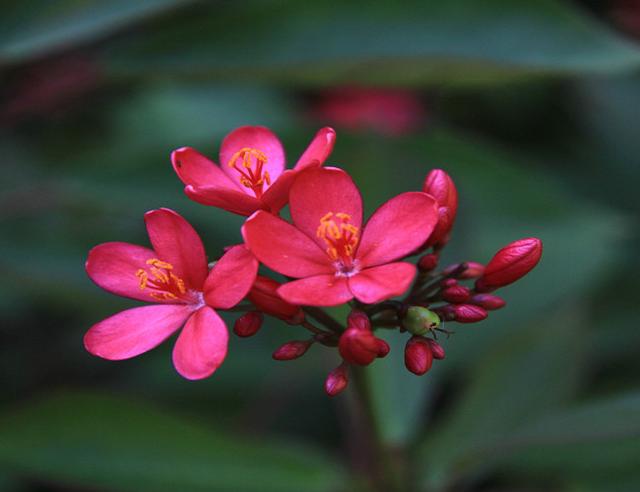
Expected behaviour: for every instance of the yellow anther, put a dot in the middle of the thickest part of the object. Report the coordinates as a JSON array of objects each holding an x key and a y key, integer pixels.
[
  {"x": 142, "y": 275},
  {"x": 163, "y": 284},
  {"x": 340, "y": 236}
]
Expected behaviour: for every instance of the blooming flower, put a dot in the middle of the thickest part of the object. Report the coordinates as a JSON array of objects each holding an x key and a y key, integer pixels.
[
  {"x": 328, "y": 250},
  {"x": 251, "y": 175},
  {"x": 386, "y": 111},
  {"x": 175, "y": 277}
]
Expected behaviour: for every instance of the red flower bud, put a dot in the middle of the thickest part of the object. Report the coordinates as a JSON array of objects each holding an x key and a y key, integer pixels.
[
  {"x": 456, "y": 294},
  {"x": 292, "y": 350},
  {"x": 359, "y": 320},
  {"x": 383, "y": 348},
  {"x": 440, "y": 186},
  {"x": 428, "y": 262},
  {"x": 488, "y": 301},
  {"x": 436, "y": 349},
  {"x": 417, "y": 355},
  {"x": 473, "y": 270},
  {"x": 468, "y": 313},
  {"x": 449, "y": 282},
  {"x": 248, "y": 324},
  {"x": 358, "y": 346},
  {"x": 337, "y": 380},
  {"x": 511, "y": 263},
  {"x": 263, "y": 294}
]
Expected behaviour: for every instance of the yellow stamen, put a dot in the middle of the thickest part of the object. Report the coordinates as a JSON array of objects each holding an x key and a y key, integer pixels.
[
  {"x": 340, "y": 236},
  {"x": 164, "y": 285}
]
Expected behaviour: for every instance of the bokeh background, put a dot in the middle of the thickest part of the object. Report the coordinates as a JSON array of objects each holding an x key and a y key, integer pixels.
[{"x": 532, "y": 106}]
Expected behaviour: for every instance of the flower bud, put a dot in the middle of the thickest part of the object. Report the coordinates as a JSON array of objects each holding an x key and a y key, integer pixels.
[
  {"x": 456, "y": 294},
  {"x": 468, "y": 313},
  {"x": 436, "y": 349},
  {"x": 419, "y": 320},
  {"x": 264, "y": 295},
  {"x": 337, "y": 380},
  {"x": 292, "y": 350},
  {"x": 446, "y": 313},
  {"x": 509, "y": 264},
  {"x": 428, "y": 262},
  {"x": 440, "y": 186},
  {"x": 417, "y": 355},
  {"x": 473, "y": 270},
  {"x": 358, "y": 346},
  {"x": 383, "y": 348},
  {"x": 248, "y": 324},
  {"x": 359, "y": 320},
  {"x": 449, "y": 282},
  {"x": 488, "y": 301}
]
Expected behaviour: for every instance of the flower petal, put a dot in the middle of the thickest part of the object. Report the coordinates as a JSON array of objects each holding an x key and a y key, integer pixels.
[
  {"x": 397, "y": 228},
  {"x": 283, "y": 248},
  {"x": 318, "y": 150},
  {"x": 231, "y": 278},
  {"x": 202, "y": 345},
  {"x": 135, "y": 331},
  {"x": 254, "y": 137},
  {"x": 320, "y": 290},
  {"x": 376, "y": 284},
  {"x": 277, "y": 195},
  {"x": 196, "y": 170},
  {"x": 318, "y": 191},
  {"x": 227, "y": 199},
  {"x": 176, "y": 241},
  {"x": 113, "y": 266}
]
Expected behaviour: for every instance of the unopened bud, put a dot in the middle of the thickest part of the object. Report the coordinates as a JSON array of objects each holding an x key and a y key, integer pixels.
[
  {"x": 264, "y": 295},
  {"x": 456, "y": 294},
  {"x": 473, "y": 270},
  {"x": 337, "y": 380},
  {"x": 468, "y": 313},
  {"x": 359, "y": 320},
  {"x": 446, "y": 313},
  {"x": 488, "y": 301},
  {"x": 428, "y": 262},
  {"x": 419, "y": 320},
  {"x": 248, "y": 324},
  {"x": 358, "y": 346},
  {"x": 292, "y": 350},
  {"x": 417, "y": 355},
  {"x": 449, "y": 282},
  {"x": 440, "y": 186},
  {"x": 509, "y": 264},
  {"x": 436, "y": 349},
  {"x": 383, "y": 348}
]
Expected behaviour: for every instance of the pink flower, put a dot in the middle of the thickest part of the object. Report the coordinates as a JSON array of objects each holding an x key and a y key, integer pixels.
[
  {"x": 251, "y": 175},
  {"x": 386, "y": 111},
  {"x": 334, "y": 257},
  {"x": 174, "y": 276}
]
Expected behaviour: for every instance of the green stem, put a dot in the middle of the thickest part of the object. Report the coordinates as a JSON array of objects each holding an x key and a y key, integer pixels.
[{"x": 324, "y": 318}]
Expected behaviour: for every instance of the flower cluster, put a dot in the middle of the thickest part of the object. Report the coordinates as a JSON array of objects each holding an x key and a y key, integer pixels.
[{"x": 327, "y": 255}]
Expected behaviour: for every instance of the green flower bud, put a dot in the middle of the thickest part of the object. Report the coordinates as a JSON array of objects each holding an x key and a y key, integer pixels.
[{"x": 419, "y": 320}]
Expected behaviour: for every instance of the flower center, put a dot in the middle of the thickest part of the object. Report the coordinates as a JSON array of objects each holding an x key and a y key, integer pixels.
[
  {"x": 341, "y": 238},
  {"x": 162, "y": 283},
  {"x": 249, "y": 163}
]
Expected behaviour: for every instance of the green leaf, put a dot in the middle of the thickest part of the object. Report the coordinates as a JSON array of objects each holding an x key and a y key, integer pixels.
[
  {"x": 459, "y": 41},
  {"x": 598, "y": 438},
  {"x": 114, "y": 444},
  {"x": 34, "y": 28},
  {"x": 527, "y": 374}
]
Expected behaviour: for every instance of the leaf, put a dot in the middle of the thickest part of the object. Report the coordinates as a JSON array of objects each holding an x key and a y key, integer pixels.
[
  {"x": 524, "y": 376},
  {"x": 321, "y": 43},
  {"x": 38, "y": 27},
  {"x": 597, "y": 438},
  {"x": 115, "y": 444}
]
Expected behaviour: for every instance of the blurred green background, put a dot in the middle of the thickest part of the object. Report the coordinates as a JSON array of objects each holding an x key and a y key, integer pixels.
[{"x": 533, "y": 108}]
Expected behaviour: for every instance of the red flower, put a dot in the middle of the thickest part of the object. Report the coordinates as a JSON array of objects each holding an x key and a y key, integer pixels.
[
  {"x": 252, "y": 172},
  {"x": 174, "y": 276},
  {"x": 335, "y": 258},
  {"x": 386, "y": 111}
]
